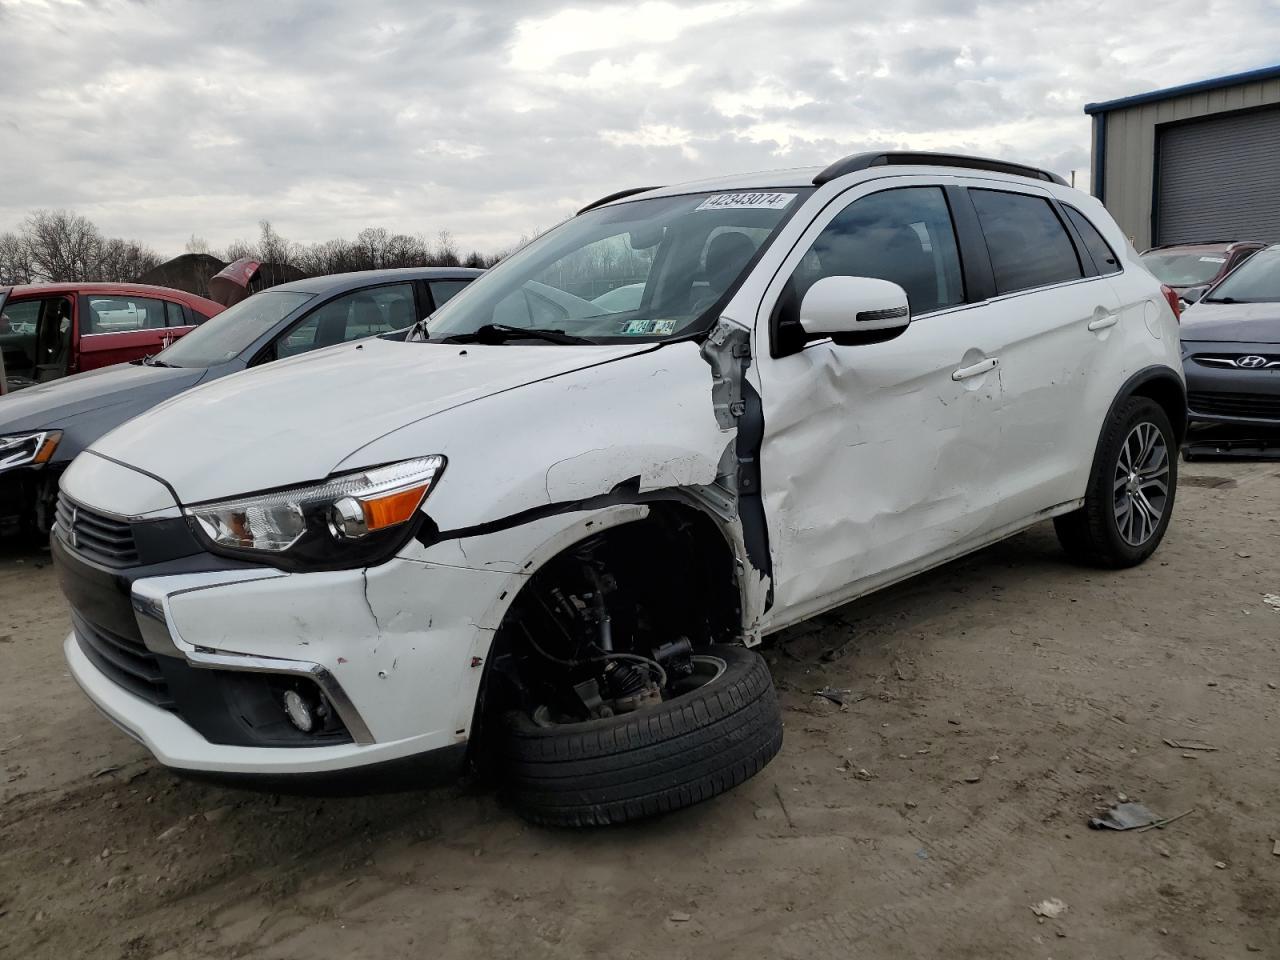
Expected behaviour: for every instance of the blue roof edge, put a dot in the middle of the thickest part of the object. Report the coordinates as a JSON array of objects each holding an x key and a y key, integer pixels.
[{"x": 1199, "y": 86}]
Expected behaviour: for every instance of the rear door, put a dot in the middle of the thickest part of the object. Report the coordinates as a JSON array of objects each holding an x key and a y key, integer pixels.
[
  {"x": 1056, "y": 321},
  {"x": 115, "y": 328}
]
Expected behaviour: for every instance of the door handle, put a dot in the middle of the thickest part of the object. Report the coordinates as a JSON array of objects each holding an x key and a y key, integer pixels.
[
  {"x": 976, "y": 369},
  {"x": 1104, "y": 321}
]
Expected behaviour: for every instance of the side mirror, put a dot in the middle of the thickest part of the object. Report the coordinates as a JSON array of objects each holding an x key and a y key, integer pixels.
[
  {"x": 854, "y": 310},
  {"x": 1193, "y": 294}
]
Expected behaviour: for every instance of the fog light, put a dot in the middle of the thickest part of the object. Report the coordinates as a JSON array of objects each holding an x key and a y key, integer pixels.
[{"x": 299, "y": 712}]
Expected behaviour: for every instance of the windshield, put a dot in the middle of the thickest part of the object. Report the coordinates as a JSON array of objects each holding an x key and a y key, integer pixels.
[
  {"x": 1183, "y": 269},
  {"x": 1257, "y": 280},
  {"x": 219, "y": 339},
  {"x": 644, "y": 270}
]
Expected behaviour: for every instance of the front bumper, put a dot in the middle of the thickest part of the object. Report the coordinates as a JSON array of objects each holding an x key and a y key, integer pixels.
[
  {"x": 183, "y": 655},
  {"x": 1218, "y": 393}
]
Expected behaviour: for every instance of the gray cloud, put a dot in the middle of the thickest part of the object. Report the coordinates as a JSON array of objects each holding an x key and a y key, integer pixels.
[{"x": 162, "y": 119}]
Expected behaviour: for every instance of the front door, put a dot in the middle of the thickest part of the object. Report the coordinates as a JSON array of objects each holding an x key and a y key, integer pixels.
[
  {"x": 115, "y": 328},
  {"x": 876, "y": 459}
]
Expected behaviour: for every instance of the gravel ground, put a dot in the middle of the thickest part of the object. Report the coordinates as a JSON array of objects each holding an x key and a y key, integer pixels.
[{"x": 992, "y": 707}]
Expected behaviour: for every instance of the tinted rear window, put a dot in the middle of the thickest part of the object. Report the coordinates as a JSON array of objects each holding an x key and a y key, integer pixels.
[
  {"x": 1028, "y": 244},
  {"x": 1104, "y": 258}
]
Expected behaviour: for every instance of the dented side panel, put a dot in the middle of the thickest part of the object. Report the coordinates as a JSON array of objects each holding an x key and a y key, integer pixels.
[{"x": 874, "y": 457}]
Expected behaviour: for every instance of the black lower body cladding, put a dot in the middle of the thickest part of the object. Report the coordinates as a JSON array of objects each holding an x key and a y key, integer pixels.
[{"x": 655, "y": 760}]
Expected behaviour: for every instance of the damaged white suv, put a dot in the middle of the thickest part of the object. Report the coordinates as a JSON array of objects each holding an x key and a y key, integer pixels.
[{"x": 548, "y": 532}]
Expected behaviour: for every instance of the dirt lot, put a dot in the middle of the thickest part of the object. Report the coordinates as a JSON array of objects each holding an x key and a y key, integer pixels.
[{"x": 994, "y": 705}]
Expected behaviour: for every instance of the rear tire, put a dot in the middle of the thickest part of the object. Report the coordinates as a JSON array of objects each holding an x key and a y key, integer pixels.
[
  {"x": 652, "y": 761},
  {"x": 1131, "y": 490}
]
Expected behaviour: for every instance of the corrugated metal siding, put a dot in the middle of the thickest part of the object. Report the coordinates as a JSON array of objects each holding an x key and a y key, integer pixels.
[
  {"x": 1220, "y": 178},
  {"x": 1131, "y": 147}
]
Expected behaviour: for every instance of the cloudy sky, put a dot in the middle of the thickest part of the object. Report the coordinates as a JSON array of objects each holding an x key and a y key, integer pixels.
[{"x": 494, "y": 118}]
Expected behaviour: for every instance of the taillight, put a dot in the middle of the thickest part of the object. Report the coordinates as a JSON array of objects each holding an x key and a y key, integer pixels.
[{"x": 1175, "y": 302}]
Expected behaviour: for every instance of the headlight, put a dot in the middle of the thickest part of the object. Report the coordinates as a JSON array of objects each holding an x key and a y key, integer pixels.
[
  {"x": 22, "y": 449},
  {"x": 350, "y": 520}
]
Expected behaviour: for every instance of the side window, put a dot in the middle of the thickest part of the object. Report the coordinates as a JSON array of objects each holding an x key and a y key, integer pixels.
[
  {"x": 175, "y": 316},
  {"x": 1104, "y": 258},
  {"x": 1028, "y": 244},
  {"x": 352, "y": 316},
  {"x": 123, "y": 314},
  {"x": 443, "y": 291},
  {"x": 904, "y": 235}
]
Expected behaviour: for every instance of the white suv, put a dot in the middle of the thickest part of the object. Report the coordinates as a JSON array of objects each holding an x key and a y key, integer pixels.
[{"x": 546, "y": 533}]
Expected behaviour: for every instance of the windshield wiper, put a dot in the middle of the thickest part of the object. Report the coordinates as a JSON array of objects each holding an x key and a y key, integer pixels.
[
  {"x": 1221, "y": 300},
  {"x": 151, "y": 361},
  {"x": 495, "y": 333}
]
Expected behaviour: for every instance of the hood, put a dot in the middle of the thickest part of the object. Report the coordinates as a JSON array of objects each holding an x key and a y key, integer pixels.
[
  {"x": 293, "y": 421},
  {"x": 52, "y": 404},
  {"x": 1232, "y": 322}
]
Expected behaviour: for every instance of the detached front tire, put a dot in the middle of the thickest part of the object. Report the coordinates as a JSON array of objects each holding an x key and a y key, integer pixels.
[
  {"x": 654, "y": 760},
  {"x": 1131, "y": 490}
]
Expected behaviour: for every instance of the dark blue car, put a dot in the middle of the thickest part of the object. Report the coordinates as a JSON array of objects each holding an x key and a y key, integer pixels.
[{"x": 42, "y": 428}]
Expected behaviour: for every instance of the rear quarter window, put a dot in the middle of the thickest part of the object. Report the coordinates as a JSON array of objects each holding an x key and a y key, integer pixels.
[
  {"x": 1104, "y": 258},
  {"x": 1028, "y": 244}
]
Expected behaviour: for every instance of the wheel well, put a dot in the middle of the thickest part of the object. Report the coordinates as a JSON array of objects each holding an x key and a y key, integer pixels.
[
  {"x": 676, "y": 545},
  {"x": 667, "y": 577},
  {"x": 1168, "y": 392}
]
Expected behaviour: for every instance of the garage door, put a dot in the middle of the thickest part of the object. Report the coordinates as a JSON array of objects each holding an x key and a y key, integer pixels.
[{"x": 1220, "y": 179}]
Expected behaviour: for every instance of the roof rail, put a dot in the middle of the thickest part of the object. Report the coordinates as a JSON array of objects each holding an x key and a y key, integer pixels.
[
  {"x": 864, "y": 161},
  {"x": 615, "y": 196}
]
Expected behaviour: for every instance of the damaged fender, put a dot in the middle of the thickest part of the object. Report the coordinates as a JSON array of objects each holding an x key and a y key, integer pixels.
[{"x": 654, "y": 426}]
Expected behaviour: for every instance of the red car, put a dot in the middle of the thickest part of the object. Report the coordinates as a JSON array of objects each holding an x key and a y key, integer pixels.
[{"x": 51, "y": 331}]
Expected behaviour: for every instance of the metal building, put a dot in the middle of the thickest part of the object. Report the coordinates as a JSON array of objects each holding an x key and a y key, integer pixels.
[{"x": 1195, "y": 162}]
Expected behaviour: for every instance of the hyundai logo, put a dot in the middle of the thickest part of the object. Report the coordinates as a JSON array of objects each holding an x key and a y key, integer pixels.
[{"x": 1251, "y": 362}]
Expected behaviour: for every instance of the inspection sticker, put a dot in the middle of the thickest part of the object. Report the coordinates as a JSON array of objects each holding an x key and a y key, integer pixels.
[
  {"x": 1213, "y": 259},
  {"x": 746, "y": 201}
]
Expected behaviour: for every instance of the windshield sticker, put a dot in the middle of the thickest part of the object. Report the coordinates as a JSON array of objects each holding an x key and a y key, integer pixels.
[
  {"x": 638, "y": 328},
  {"x": 1213, "y": 259},
  {"x": 746, "y": 201},
  {"x": 662, "y": 328}
]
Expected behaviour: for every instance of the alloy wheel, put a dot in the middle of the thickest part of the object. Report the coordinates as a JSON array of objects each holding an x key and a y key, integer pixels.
[{"x": 1141, "y": 484}]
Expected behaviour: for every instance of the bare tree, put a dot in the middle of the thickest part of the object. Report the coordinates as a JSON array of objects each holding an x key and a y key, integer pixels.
[
  {"x": 123, "y": 260},
  {"x": 63, "y": 245},
  {"x": 197, "y": 245},
  {"x": 272, "y": 248},
  {"x": 15, "y": 259},
  {"x": 446, "y": 254},
  {"x": 242, "y": 248}
]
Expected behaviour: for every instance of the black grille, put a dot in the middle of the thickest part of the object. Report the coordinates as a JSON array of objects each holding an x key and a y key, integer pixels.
[
  {"x": 96, "y": 535},
  {"x": 1230, "y": 361},
  {"x": 124, "y": 660},
  {"x": 1235, "y": 405}
]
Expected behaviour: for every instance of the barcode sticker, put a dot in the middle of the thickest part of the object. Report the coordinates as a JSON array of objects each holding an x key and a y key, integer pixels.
[{"x": 746, "y": 201}]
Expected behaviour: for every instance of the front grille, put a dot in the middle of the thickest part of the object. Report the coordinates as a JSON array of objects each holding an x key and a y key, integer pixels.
[
  {"x": 1240, "y": 361},
  {"x": 125, "y": 661},
  {"x": 96, "y": 535},
  {"x": 1258, "y": 407}
]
